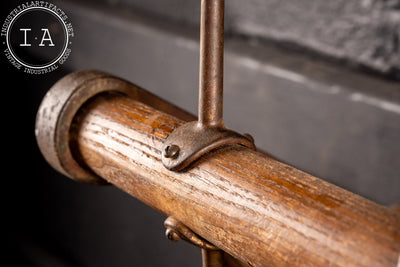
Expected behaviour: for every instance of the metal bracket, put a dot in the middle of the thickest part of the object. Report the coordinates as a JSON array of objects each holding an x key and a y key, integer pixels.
[
  {"x": 212, "y": 256},
  {"x": 178, "y": 231},
  {"x": 192, "y": 140}
]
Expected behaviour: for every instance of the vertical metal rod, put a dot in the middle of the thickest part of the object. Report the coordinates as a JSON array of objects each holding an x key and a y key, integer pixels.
[
  {"x": 211, "y": 63},
  {"x": 212, "y": 258}
]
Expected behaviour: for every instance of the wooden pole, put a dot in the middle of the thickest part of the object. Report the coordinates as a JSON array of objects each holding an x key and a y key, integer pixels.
[{"x": 255, "y": 208}]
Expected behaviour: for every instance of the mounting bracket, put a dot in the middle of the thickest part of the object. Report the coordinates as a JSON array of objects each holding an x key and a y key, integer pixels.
[{"x": 192, "y": 140}]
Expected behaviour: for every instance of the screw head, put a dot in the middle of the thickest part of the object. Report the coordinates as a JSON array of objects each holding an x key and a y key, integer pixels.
[
  {"x": 172, "y": 235},
  {"x": 171, "y": 151}
]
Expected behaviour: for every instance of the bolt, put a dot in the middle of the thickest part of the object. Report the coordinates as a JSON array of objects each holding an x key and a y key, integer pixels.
[
  {"x": 171, "y": 151},
  {"x": 172, "y": 235}
]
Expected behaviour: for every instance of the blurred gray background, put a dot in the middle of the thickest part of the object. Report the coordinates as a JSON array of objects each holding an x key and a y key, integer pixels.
[{"x": 317, "y": 83}]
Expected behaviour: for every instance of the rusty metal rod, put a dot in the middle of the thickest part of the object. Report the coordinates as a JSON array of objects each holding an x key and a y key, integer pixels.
[
  {"x": 194, "y": 139},
  {"x": 211, "y": 63},
  {"x": 212, "y": 258},
  {"x": 261, "y": 211}
]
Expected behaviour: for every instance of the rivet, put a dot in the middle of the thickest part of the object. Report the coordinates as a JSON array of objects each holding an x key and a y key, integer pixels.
[
  {"x": 171, "y": 151},
  {"x": 172, "y": 235}
]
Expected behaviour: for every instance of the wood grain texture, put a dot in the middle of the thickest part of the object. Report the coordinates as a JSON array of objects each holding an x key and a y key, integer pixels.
[{"x": 257, "y": 209}]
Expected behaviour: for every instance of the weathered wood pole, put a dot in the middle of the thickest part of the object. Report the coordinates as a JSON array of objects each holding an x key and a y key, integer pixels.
[{"x": 257, "y": 209}]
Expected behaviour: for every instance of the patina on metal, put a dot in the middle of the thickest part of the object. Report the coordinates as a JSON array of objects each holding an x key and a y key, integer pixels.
[
  {"x": 59, "y": 106},
  {"x": 196, "y": 138},
  {"x": 55, "y": 115},
  {"x": 211, "y": 255}
]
